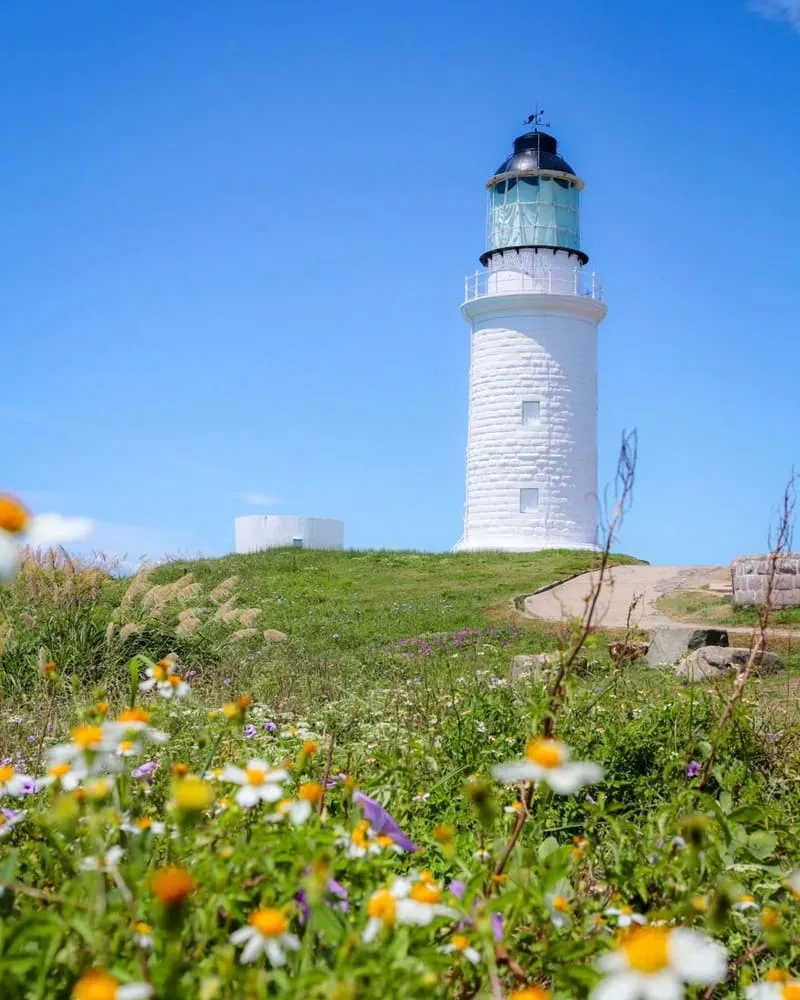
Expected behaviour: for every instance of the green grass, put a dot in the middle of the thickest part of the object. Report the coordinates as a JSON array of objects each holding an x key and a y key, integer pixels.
[{"x": 704, "y": 608}]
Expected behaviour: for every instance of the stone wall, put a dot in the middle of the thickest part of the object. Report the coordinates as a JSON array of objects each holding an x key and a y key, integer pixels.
[{"x": 751, "y": 573}]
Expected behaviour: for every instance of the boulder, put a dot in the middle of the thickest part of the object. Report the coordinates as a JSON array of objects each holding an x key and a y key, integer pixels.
[
  {"x": 669, "y": 644},
  {"x": 274, "y": 635},
  {"x": 534, "y": 666},
  {"x": 622, "y": 653},
  {"x": 712, "y": 662}
]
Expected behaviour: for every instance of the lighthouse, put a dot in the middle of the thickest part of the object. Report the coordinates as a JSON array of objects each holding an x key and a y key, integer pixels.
[{"x": 533, "y": 312}]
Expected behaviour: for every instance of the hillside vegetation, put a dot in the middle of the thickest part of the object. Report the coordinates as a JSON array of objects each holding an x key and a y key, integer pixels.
[{"x": 288, "y": 774}]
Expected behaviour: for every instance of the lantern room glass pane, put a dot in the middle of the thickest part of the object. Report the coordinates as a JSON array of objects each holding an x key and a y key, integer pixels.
[{"x": 534, "y": 211}]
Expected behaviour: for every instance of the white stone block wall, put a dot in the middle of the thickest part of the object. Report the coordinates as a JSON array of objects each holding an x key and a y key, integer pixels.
[
  {"x": 750, "y": 578},
  {"x": 529, "y": 348},
  {"x": 256, "y": 532}
]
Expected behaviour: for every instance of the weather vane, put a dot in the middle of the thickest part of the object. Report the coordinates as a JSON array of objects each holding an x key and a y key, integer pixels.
[{"x": 536, "y": 118}]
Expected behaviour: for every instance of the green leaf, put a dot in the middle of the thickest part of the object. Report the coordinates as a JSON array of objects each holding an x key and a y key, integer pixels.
[
  {"x": 747, "y": 814},
  {"x": 547, "y": 847},
  {"x": 761, "y": 844}
]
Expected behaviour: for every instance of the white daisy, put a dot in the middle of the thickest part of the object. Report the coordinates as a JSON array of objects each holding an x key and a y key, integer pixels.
[
  {"x": 107, "y": 862},
  {"x": 143, "y": 934},
  {"x": 142, "y": 825},
  {"x": 92, "y": 750},
  {"x": 777, "y": 989},
  {"x": 259, "y": 783},
  {"x": 9, "y": 819},
  {"x": 96, "y": 984},
  {"x": 558, "y": 904},
  {"x": 362, "y": 841},
  {"x": 625, "y": 916},
  {"x": 267, "y": 934},
  {"x": 548, "y": 760},
  {"x": 14, "y": 784},
  {"x": 655, "y": 963},
  {"x": 18, "y": 528},
  {"x": 792, "y": 881},
  {"x": 459, "y": 944},
  {"x": 406, "y": 902},
  {"x": 744, "y": 903}
]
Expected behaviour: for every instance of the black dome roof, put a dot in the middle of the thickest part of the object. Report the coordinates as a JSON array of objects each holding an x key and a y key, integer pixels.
[{"x": 535, "y": 151}]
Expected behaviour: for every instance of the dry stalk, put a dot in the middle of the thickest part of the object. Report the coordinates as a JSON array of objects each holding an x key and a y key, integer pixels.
[
  {"x": 623, "y": 494},
  {"x": 780, "y": 544}
]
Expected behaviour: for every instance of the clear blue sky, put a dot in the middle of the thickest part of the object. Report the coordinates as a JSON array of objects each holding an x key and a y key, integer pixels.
[{"x": 235, "y": 235}]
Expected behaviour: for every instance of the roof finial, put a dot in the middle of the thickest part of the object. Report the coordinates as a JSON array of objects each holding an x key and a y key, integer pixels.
[{"x": 536, "y": 119}]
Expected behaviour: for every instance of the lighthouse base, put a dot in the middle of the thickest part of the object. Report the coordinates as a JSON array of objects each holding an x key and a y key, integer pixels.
[{"x": 518, "y": 545}]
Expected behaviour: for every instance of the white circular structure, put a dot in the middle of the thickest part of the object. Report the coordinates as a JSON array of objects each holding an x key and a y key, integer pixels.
[
  {"x": 256, "y": 532},
  {"x": 534, "y": 313}
]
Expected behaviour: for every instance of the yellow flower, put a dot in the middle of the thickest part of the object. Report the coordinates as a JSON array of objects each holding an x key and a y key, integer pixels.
[
  {"x": 192, "y": 795},
  {"x": 98, "y": 985},
  {"x": 770, "y": 918}
]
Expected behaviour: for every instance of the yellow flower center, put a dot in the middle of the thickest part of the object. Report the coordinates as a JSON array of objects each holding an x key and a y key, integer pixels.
[
  {"x": 268, "y": 922},
  {"x": 87, "y": 737},
  {"x": 174, "y": 680},
  {"x": 144, "y": 823},
  {"x": 545, "y": 752},
  {"x": 310, "y": 747},
  {"x": 159, "y": 673},
  {"x": 626, "y": 910},
  {"x": 102, "y": 707},
  {"x": 142, "y": 928},
  {"x": 134, "y": 715},
  {"x": 777, "y": 976},
  {"x": 359, "y": 837},
  {"x": 747, "y": 899},
  {"x": 13, "y": 516},
  {"x": 423, "y": 892},
  {"x": 311, "y": 791},
  {"x": 95, "y": 985},
  {"x": 384, "y": 841},
  {"x": 383, "y": 906},
  {"x": 99, "y": 789},
  {"x": 255, "y": 775},
  {"x": 791, "y": 991},
  {"x": 647, "y": 949},
  {"x": 6, "y": 774},
  {"x": 125, "y": 746},
  {"x": 529, "y": 993},
  {"x": 180, "y": 770},
  {"x": 770, "y": 918},
  {"x": 459, "y": 942},
  {"x": 561, "y": 903}
]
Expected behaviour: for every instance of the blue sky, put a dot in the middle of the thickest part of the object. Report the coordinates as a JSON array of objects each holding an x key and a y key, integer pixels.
[{"x": 235, "y": 236}]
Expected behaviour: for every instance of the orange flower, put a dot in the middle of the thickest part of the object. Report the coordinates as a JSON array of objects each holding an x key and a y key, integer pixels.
[{"x": 172, "y": 886}]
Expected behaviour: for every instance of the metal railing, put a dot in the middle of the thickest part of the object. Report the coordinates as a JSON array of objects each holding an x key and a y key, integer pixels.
[{"x": 507, "y": 281}]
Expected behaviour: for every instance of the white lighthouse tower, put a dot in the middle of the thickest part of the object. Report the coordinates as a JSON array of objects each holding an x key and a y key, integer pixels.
[{"x": 534, "y": 313}]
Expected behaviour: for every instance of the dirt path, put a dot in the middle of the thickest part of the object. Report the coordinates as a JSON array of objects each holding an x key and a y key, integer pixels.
[{"x": 624, "y": 584}]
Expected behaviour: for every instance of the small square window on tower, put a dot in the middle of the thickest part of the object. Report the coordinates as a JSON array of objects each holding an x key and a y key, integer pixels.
[
  {"x": 528, "y": 500},
  {"x": 531, "y": 412}
]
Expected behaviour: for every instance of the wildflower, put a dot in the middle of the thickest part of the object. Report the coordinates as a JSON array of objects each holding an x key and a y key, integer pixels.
[
  {"x": 421, "y": 797},
  {"x": 267, "y": 933},
  {"x": 107, "y": 862},
  {"x": 249, "y": 731},
  {"x": 142, "y": 825},
  {"x": 9, "y": 819},
  {"x": 135, "y": 723},
  {"x": 459, "y": 944},
  {"x": 548, "y": 760},
  {"x": 625, "y": 916},
  {"x": 653, "y": 963},
  {"x": 694, "y": 768},
  {"x": 157, "y": 674},
  {"x": 145, "y": 770},
  {"x": 91, "y": 748},
  {"x": 143, "y": 934},
  {"x": 270, "y": 726},
  {"x": 444, "y": 833},
  {"x": 180, "y": 770},
  {"x": 580, "y": 846},
  {"x": 172, "y": 886},
  {"x": 259, "y": 783},
  {"x": 98, "y": 985},
  {"x": 12, "y": 783},
  {"x": 17, "y": 526},
  {"x": 745, "y": 903},
  {"x": 792, "y": 882},
  {"x": 774, "y": 989},
  {"x": 192, "y": 795},
  {"x": 406, "y": 902},
  {"x": 382, "y": 822},
  {"x": 769, "y": 918},
  {"x": 514, "y": 809},
  {"x": 300, "y": 809},
  {"x": 482, "y": 854},
  {"x": 558, "y": 904},
  {"x": 48, "y": 669},
  {"x": 529, "y": 993}
]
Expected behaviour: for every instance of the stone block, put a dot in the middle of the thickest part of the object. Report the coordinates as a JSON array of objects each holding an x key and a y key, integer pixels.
[
  {"x": 708, "y": 637},
  {"x": 669, "y": 644},
  {"x": 713, "y": 662},
  {"x": 537, "y": 665}
]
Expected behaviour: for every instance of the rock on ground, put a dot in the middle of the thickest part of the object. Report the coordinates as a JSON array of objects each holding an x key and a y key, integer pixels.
[
  {"x": 668, "y": 645},
  {"x": 536, "y": 665},
  {"x": 713, "y": 662},
  {"x": 275, "y": 635}
]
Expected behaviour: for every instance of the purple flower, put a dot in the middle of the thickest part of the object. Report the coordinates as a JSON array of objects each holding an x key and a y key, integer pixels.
[
  {"x": 249, "y": 731},
  {"x": 190, "y": 674},
  {"x": 334, "y": 888},
  {"x": 497, "y": 926},
  {"x": 145, "y": 770},
  {"x": 270, "y": 726},
  {"x": 382, "y": 822},
  {"x": 694, "y": 769},
  {"x": 458, "y": 888},
  {"x": 30, "y": 787}
]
